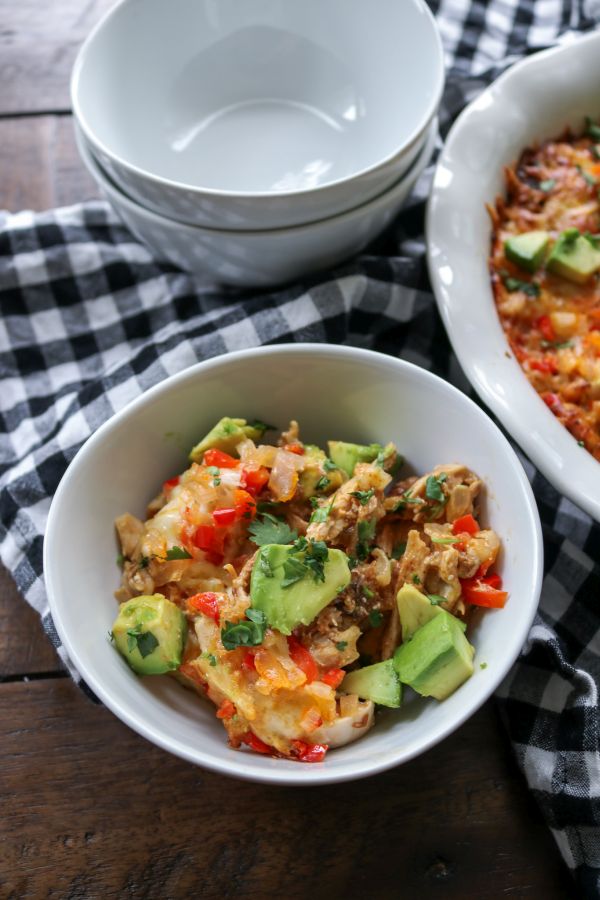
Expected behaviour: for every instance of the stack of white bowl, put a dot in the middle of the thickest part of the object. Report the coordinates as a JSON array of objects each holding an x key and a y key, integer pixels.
[{"x": 255, "y": 141}]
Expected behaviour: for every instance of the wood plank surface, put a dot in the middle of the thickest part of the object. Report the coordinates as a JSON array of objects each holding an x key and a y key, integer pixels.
[
  {"x": 39, "y": 164},
  {"x": 38, "y": 44},
  {"x": 92, "y": 810}
]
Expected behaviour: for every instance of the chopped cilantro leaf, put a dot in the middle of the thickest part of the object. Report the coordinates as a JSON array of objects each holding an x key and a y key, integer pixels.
[
  {"x": 368, "y": 592},
  {"x": 341, "y": 645},
  {"x": 594, "y": 239},
  {"x": 555, "y": 345},
  {"x": 144, "y": 562},
  {"x": 547, "y": 185},
  {"x": 581, "y": 443},
  {"x": 375, "y": 618},
  {"x": 294, "y": 570},
  {"x": 531, "y": 288},
  {"x": 398, "y": 550},
  {"x": 320, "y": 514},
  {"x": 483, "y": 665},
  {"x": 329, "y": 465},
  {"x": 591, "y": 129},
  {"x": 436, "y": 599},
  {"x": 213, "y": 470},
  {"x": 265, "y": 566},
  {"x": 212, "y": 659},
  {"x": 322, "y": 483},
  {"x": 248, "y": 633},
  {"x": 271, "y": 530},
  {"x": 363, "y": 497},
  {"x": 315, "y": 557},
  {"x": 416, "y": 579},
  {"x": 366, "y": 529},
  {"x": 177, "y": 553},
  {"x": 261, "y": 426},
  {"x": 145, "y": 641},
  {"x": 589, "y": 179},
  {"x": 433, "y": 488},
  {"x": 120, "y": 560}
]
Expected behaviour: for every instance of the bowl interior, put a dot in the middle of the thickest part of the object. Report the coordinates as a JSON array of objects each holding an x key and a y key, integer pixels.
[
  {"x": 534, "y": 101},
  {"x": 334, "y": 393},
  {"x": 258, "y": 97}
]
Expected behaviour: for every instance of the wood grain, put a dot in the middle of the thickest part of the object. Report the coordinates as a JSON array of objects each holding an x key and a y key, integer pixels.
[
  {"x": 40, "y": 164},
  {"x": 38, "y": 44},
  {"x": 92, "y": 810}
]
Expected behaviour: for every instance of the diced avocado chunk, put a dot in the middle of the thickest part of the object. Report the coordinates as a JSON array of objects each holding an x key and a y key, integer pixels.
[
  {"x": 226, "y": 435},
  {"x": 346, "y": 456},
  {"x": 286, "y": 604},
  {"x": 527, "y": 250},
  {"x": 314, "y": 479},
  {"x": 150, "y": 633},
  {"x": 379, "y": 683},
  {"x": 415, "y": 609},
  {"x": 574, "y": 257},
  {"x": 437, "y": 659}
]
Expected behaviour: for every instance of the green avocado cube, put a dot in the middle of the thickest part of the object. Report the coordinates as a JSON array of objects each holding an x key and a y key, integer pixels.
[
  {"x": 415, "y": 609},
  {"x": 527, "y": 250},
  {"x": 574, "y": 257},
  {"x": 288, "y": 591},
  {"x": 314, "y": 479},
  {"x": 150, "y": 633},
  {"x": 379, "y": 683},
  {"x": 346, "y": 456},
  {"x": 226, "y": 435},
  {"x": 437, "y": 659}
]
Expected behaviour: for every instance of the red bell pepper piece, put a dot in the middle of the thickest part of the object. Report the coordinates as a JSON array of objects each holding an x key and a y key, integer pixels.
[
  {"x": 248, "y": 661},
  {"x": 226, "y": 710},
  {"x": 465, "y": 525},
  {"x": 257, "y": 745},
  {"x": 245, "y": 504},
  {"x": 296, "y": 448},
  {"x": 170, "y": 484},
  {"x": 484, "y": 591},
  {"x": 224, "y": 516},
  {"x": 333, "y": 677},
  {"x": 212, "y": 541},
  {"x": 219, "y": 459},
  {"x": 254, "y": 480},
  {"x": 309, "y": 752},
  {"x": 206, "y": 603},
  {"x": 303, "y": 658},
  {"x": 547, "y": 365},
  {"x": 545, "y": 326}
]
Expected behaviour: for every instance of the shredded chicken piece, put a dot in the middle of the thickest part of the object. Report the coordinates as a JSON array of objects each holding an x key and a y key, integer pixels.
[
  {"x": 460, "y": 488},
  {"x": 340, "y": 529},
  {"x": 130, "y": 531}
]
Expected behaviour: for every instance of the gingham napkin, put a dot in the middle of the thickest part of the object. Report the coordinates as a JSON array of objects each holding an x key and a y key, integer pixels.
[{"x": 88, "y": 321}]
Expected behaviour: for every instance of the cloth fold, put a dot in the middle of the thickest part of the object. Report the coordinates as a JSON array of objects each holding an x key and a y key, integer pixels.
[{"x": 89, "y": 320}]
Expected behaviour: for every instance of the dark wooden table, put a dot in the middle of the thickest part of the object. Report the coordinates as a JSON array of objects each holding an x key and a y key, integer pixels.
[{"x": 89, "y": 809}]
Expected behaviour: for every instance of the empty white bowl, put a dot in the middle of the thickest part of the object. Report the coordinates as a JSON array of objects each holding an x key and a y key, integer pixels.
[
  {"x": 245, "y": 114},
  {"x": 334, "y": 392},
  {"x": 260, "y": 258}
]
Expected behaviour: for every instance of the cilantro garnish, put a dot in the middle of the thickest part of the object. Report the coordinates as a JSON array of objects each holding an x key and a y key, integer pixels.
[
  {"x": 320, "y": 514},
  {"x": 248, "y": 633},
  {"x": 547, "y": 185},
  {"x": 271, "y": 530},
  {"x": 366, "y": 529},
  {"x": 363, "y": 496},
  {"x": 398, "y": 550},
  {"x": 594, "y": 239},
  {"x": 581, "y": 443},
  {"x": 177, "y": 553},
  {"x": 416, "y": 579},
  {"x": 144, "y": 640},
  {"x": 369, "y": 594},
  {"x": 144, "y": 562},
  {"x": 215, "y": 472},
  {"x": 212, "y": 660},
  {"x": 261, "y": 426},
  {"x": 322, "y": 483},
  {"x": 315, "y": 558},
  {"x": 591, "y": 129},
  {"x": 329, "y": 465},
  {"x": 121, "y": 560},
  {"x": 531, "y": 288},
  {"x": 589, "y": 179},
  {"x": 341, "y": 645},
  {"x": 433, "y": 488},
  {"x": 294, "y": 570},
  {"x": 375, "y": 618},
  {"x": 483, "y": 665},
  {"x": 436, "y": 599},
  {"x": 265, "y": 566},
  {"x": 555, "y": 345}
]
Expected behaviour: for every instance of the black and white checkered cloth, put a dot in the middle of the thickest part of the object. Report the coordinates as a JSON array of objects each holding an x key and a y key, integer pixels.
[{"x": 88, "y": 321}]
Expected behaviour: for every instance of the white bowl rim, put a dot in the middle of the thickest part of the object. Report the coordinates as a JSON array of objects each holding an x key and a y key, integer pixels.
[
  {"x": 516, "y": 424},
  {"x": 411, "y": 175},
  {"x": 250, "y": 769},
  {"x": 428, "y": 114}
]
